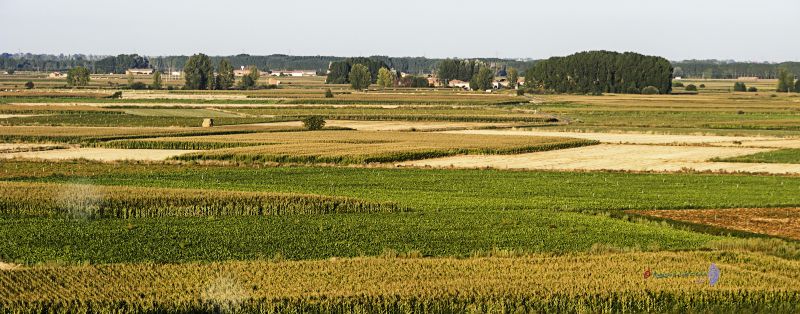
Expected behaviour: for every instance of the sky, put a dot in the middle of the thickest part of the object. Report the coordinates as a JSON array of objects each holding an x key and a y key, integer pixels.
[{"x": 764, "y": 30}]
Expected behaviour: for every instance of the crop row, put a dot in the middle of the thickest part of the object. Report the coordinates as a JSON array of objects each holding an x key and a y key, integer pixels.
[
  {"x": 574, "y": 283},
  {"x": 89, "y": 201},
  {"x": 347, "y": 153}
]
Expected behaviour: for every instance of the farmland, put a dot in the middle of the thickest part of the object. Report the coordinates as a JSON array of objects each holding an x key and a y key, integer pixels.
[{"x": 391, "y": 206}]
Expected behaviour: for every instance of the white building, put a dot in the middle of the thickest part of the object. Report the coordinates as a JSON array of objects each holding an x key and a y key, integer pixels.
[{"x": 139, "y": 71}]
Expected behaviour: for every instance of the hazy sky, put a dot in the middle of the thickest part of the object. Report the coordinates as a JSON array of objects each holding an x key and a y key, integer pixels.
[{"x": 764, "y": 30}]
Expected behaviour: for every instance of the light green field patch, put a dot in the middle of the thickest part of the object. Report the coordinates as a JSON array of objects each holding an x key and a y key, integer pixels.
[{"x": 195, "y": 113}]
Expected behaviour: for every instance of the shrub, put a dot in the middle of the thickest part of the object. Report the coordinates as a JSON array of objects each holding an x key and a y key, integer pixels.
[
  {"x": 313, "y": 123},
  {"x": 651, "y": 90},
  {"x": 702, "y": 85},
  {"x": 633, "y": 90},
  {"x": 677, "y": 84},
  {"x": 520, "y": 92},
  {"x": 116, "y": 95},
  {"x": 10, "y": 71},
  {"x": 739, "y": 87},
  {"x": 138, "y": 85},
  {"x": 328, "y": 93},
  {"x": 29, "y": 84},
  {"x": 691, "y": 88},
  {"x": 752, "y": 89}
]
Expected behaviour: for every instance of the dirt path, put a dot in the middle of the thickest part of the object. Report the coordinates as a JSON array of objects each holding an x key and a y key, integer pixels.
[
  {"x": 102, "y": 154},
  {"x": 7, "y": 266},
  {"x": 618, "y": 157},
  {"x": 6, "y": 116},
  {"x": 640, "y": 138},
  {"x": 22, "y": 147}
]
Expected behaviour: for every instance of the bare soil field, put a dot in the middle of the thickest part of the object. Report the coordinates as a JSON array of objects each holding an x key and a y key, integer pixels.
[
  {"x": 617, "y": 157},
  {"x": 642, "y": 138},
  {"x": 783, "y": 222},
  {"x": 21, "y": 147},
  {"x": 101, "y": 154},
  {"x": 395, "y": 125}
]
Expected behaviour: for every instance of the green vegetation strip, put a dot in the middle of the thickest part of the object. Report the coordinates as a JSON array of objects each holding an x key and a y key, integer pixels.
[
  {"x": 782, "y": 156},
  {"x": 444, "y": 189}
]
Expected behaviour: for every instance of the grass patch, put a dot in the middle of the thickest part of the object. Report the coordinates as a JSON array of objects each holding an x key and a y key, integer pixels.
[{"x": 781, "y": 156}]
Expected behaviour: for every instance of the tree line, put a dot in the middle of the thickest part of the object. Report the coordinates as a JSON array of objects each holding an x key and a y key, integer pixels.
[
  {"x": 601, "y": 72},
  {"x": 715, "y": 69},
  {"x": 118, "y": 64}
]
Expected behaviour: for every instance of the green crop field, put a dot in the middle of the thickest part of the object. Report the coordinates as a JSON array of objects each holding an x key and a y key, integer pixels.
[{"x": 784, "y": 156}]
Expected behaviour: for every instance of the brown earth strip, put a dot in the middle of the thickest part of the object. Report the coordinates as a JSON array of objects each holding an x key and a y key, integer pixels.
[{"x": 782, "y": 222}]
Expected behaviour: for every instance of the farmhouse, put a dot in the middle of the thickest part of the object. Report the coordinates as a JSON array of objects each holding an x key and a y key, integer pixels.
[
  {"x": 458, "y": 83},
  {"x": 56, "y": 74},
  {"x": 434, "y": 81},
  {"x": 294, "y": 73},
  {"x": 139, "y": 71},
  {"x": 246, "y": 71},
  {"x": 748, "y": 79}
]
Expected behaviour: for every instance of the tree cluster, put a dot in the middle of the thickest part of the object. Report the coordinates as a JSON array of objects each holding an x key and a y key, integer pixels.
[
  {"x": 716, "y": 69},
  {"x": 457, "y": 69},
  {"x": 413, "y": 81},
  {"x": 386, "y": 78},
  {"x": 78, "y": 76},
  {"x": 600, "y": 72},
  {"x": 482, "y": 80},
  {"x": 739, "y": 87},
  {"x": 359, "y": 77},
  {"x": 199, "y": 74},
  {"x": 786, "y": 82},
  {"x": 340, "y": 70},
  {"x": 121, "y": 63}
]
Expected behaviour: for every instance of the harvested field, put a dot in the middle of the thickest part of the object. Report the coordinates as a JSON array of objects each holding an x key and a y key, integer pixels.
[
  {"x": 782, "y": 222},
  {"x": 641, "y": 138},
  {"x": 101, "y": 154},
  {"x": 618, "y": 157},
  {"x": 396, "y": 125},
  {"x": 359, "y": 146}
]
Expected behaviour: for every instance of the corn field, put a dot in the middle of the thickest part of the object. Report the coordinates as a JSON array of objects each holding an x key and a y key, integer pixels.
[
  {"x": 89, "y": 201},
  {"x": 576, "y": 283}
]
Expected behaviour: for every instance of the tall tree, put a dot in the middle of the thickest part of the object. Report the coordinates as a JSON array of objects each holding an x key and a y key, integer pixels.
[
  {"x": 785, "y": 81},
  {"x": 482, "y": 80},
  {"x": 250, "y": 79},
  {"x": 156, "y": 80},
  {"x": 386, "y": 78},
  {"x": 513, "y": 77},
  {"x": 198, "y": 71},
  {"x": 359, "y": 77},
  {"x": 225, "y": 78},
  {"x": 78, "y": 76}
]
